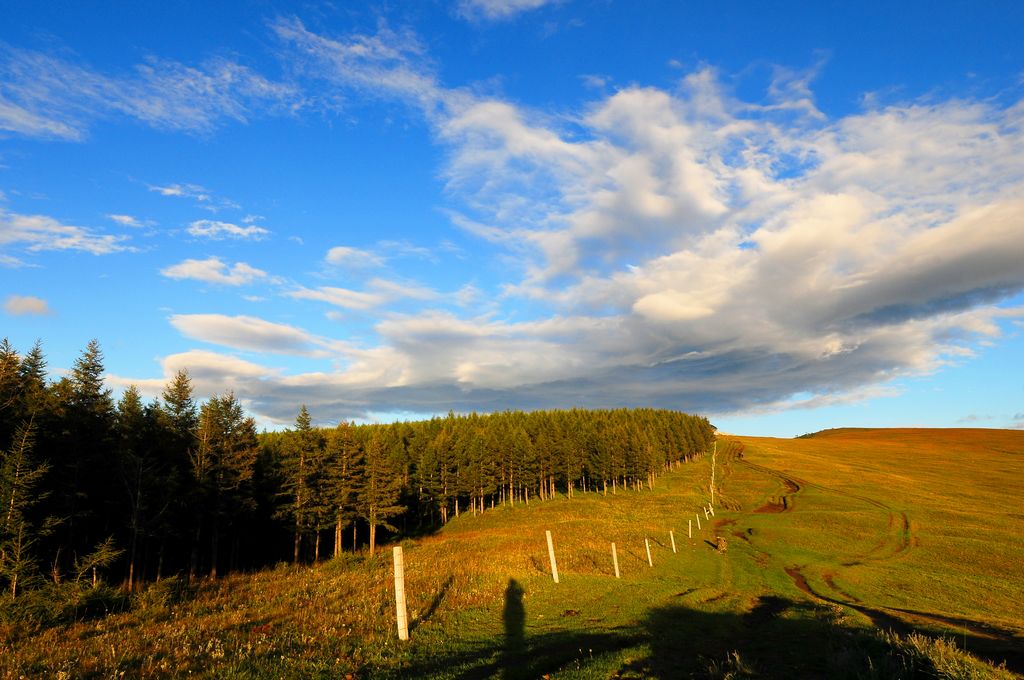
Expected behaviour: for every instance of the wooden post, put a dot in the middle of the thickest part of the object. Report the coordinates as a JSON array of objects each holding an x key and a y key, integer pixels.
[
  {"x": 706, "y": 516},
  {"x": 403, "y": 620},
  {"x": 615, "y": 560},
  {"x": 698, "y": 521},
  {"x": 672, "y": 535},
  {"x": 648, "y": 544},
  {"x": 714, "y": 453},
  {"x": 712, "y": 509},
  {"x": 689, "y": 528},
  {"x": 551, "y": 554}
]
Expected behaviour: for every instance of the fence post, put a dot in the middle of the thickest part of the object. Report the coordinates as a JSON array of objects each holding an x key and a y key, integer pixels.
[
  {"x": 615, "y": 560},
  {"x": 551, "y": 554},
  {"x": 400, "y": 612},
  {"x": 648, "y": 544},
  {"x": 672, "y": 535},
  {"x": 698, "y": 520},
  {"x": 689, "y": 528}
]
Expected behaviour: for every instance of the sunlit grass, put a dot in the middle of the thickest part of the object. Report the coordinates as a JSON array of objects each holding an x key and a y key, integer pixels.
[{"x": 697, "y": 611}]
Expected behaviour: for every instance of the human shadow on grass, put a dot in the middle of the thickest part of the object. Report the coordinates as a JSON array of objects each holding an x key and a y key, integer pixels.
[{"x": 777, "y": 638}]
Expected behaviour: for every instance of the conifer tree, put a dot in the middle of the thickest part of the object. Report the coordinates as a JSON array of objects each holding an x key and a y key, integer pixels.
[
  {"x": 82, "y": 457},
  {"x": 35, "y": 400},
  {"x": 10, "y": 390},
  {"x": 381, "y": 488},
  {"x": 223, "y": 465},
  {"x": 343, "y": 480},
  {"x": 20, "y": 474},
  {"x": 302, "y": 463},
  {"x": 147, "y": 478}
]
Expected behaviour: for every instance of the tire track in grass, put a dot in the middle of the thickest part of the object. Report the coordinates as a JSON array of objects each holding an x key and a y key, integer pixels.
[
  {"x": 878, "y": 617},
  {"x": 1003, "y": 645},
  {"x": 794, "y": 485},
  {"x": 887, "y": 548},
  {"x": 897, "y": 540}
]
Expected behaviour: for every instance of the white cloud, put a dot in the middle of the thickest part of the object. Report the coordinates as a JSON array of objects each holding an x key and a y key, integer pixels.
[
  {"x": 216, "y": 230},
  {"x": 18, "y": 119},
  {"x": 203, "y": 197},
  {"x": 498, "y": 10},
  {"x": 40, "y": 232},
  {"x": 182, "y": 190},
  {"x": 388, "y": 64},
  {"x": 340, "y": 297},
  {"x": 125, "y": 220},
  {"x": 11, "y": 262},
  {"x": 594, "y": 81},
  {"x": 43, "y": 96},
  {"x": 254, "y": 334},
  {"x": 352, "y": 257},
  {"x": 380, "y": 292},
  {"x": 679, "y": 247},
  {"x": 26, "y": 305},
  {"x": 211, "y": 373},
  {"x": 214, "y": 270}
]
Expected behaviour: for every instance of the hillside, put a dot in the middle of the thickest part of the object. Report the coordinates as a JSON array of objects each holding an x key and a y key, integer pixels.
[{"x": 827, "y": 537}]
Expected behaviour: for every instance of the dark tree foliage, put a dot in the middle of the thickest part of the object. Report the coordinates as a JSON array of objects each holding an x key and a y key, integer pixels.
[{"x": 138, "y": 491}]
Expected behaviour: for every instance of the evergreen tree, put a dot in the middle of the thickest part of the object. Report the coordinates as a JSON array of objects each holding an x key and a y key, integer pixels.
[
  {"x": 177, "y": 417},
  {"x": 147, "y": 479},
  {"x": 381, "y": 488},
  {"x": 82, "y": 455},
  {"x": 10, "y": 389},
  {"x": 223, "y": 466},
  {"x": 343, "y": 480},
  {"x": 302, "y": 462},
  {"x": 20, "y": 474}
]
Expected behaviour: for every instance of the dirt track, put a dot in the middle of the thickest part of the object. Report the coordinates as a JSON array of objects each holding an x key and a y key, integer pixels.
[{"x": 894, "y": 541}]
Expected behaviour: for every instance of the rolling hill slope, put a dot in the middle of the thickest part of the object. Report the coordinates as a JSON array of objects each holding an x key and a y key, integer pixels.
[{"x": 827, "y": 539}]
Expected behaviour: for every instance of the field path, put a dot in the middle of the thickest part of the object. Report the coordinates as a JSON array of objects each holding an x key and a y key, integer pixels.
[{"x": 894, "y": 540}]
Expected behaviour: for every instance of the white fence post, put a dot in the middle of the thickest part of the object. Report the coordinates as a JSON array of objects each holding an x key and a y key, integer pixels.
[
  {"x": 400, "y": 612},
  {"x": 551, "y": 554}
]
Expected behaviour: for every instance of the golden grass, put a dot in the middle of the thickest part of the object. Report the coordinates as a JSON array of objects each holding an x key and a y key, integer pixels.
[
  {"x": 961, "y": 553},
  {"x": 795, "y": 592}
]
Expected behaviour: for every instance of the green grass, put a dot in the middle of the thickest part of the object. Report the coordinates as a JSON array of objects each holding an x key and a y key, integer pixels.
[{"x": 796, "y": 594}]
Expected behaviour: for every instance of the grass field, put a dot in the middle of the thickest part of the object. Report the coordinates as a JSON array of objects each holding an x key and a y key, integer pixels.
[{"x": 829, "y": 538}]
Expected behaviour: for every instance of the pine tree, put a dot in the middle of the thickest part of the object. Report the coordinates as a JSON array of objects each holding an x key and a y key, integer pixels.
[
  {"x": 81, "y": 457},
  {"x": 381, "y": 488},
  {"x": 343, "y": 480},
  {"x": 180, "y": 407},
  {"x": 35, "y": 399},
  {"x": 223, "y": 466},
  {"x": 10, "y": 382},
  {"x": 147, "y": 478},
  {"x": 302, "y": 462},
  {"x": 178, "y": 418},
  {"x": 19, "y": 476}
]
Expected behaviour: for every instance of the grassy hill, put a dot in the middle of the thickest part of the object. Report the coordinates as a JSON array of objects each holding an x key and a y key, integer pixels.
[{"x": 828, "y": 538}]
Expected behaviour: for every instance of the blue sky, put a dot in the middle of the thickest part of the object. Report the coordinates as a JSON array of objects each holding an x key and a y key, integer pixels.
[{"x": 786, "y": 216}]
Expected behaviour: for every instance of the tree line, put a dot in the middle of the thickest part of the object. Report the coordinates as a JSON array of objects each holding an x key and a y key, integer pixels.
[{"x": 140, "y": 490}]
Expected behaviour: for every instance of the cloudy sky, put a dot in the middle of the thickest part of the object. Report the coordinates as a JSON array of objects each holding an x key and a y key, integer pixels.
[{"x": 781, "y": 216}]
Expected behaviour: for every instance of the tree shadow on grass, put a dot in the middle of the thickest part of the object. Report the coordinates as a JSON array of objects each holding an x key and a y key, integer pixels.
[{"x": 777, "y": 638}]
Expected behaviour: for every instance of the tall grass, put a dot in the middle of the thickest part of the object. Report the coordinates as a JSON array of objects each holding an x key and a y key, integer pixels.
[{"x": 696, "y": 613}]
